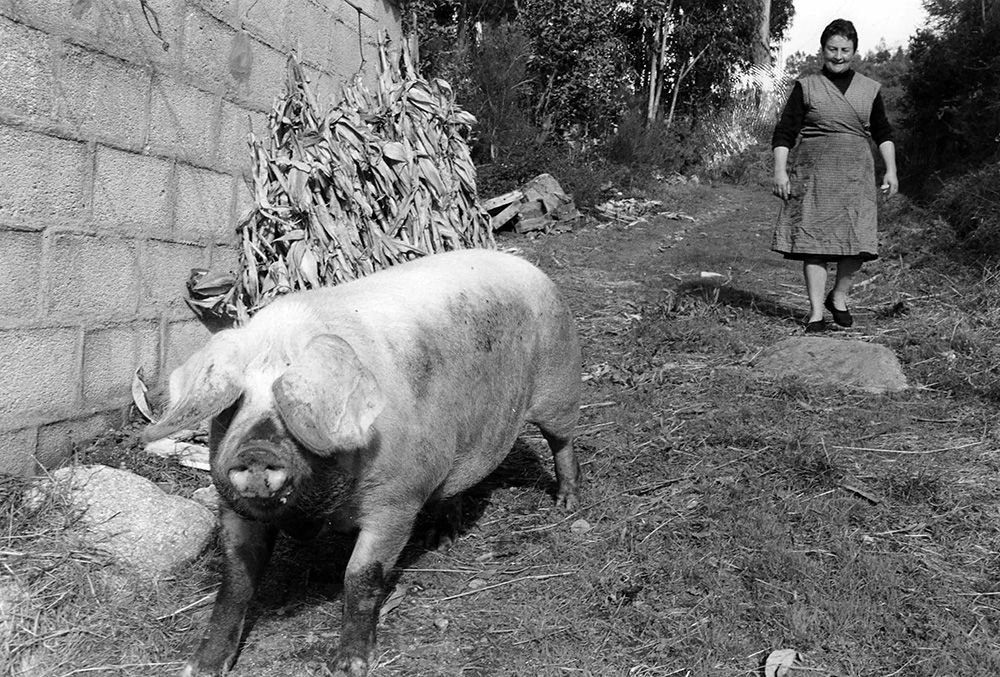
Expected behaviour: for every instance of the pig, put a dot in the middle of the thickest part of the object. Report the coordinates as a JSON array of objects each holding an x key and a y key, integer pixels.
[{"x": 361, "y": 404}]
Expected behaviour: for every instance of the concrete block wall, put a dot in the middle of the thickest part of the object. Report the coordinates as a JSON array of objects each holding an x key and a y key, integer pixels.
[{"x": 123, "y": 152}]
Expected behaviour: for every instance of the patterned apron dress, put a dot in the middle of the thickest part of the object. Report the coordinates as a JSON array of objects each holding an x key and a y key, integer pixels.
[{"x": 832, "y": 209}]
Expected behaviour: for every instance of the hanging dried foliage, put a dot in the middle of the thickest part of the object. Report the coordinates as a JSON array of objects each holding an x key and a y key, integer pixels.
[{"x": 381, "y": 178}]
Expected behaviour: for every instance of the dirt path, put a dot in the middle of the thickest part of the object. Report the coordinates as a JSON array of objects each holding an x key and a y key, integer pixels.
[{"x": 730, "y": 235}]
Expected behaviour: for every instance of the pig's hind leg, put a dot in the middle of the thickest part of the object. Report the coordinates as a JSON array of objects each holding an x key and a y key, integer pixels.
[
  {"x": 445, "y": 523},
  {"x": 557, "y": 423},
  {"x": 568, "y": 473}
]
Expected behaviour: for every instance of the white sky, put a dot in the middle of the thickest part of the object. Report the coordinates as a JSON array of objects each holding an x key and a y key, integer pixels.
[{"x": 894, "y": 20}]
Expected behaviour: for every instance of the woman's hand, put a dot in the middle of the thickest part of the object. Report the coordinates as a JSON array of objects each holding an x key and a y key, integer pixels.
[
  {"x": 781, "y": 186},
  {"x": 890, "y": 184}
]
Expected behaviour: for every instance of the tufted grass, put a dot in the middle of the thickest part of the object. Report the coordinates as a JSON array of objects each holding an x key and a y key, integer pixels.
[{"x": 725, "y": 514}]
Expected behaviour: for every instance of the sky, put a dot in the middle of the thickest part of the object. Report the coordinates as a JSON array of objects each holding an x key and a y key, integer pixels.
[{"x": 893, "y": 20}]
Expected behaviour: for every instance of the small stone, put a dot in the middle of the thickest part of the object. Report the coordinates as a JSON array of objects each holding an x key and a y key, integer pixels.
[
  {"x": 581, "y": 526},
  {"x": 441, "y": 624},
  {"x": 477, "y": 583}
]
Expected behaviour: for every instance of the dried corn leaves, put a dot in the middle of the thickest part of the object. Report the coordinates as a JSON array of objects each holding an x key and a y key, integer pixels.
[{"x": 381, "y": 178}]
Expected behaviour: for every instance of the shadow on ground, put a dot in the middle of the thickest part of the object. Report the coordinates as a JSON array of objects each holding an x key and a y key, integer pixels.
[
  {"x": 304, "y": 574},
  {"x": 714, "y": 292}
]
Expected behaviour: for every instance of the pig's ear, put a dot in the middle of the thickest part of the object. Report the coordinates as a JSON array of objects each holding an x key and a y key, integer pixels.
[
  {"x": 328, "y": 398},
  {"x": 205, "y": 385}
]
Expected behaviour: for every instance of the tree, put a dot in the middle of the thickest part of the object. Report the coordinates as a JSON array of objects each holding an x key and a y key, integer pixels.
[
  {"x": 693, "y": 47},
  {"x": 580, "y": 63},
  {"x": 954, "y": 89}
]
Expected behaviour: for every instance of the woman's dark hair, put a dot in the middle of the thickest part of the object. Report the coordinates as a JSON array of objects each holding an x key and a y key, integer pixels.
[{"x": 841, "y": 27}]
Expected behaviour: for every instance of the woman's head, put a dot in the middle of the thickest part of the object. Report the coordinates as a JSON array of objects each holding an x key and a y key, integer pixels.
[{"x": 839, "y": 42}]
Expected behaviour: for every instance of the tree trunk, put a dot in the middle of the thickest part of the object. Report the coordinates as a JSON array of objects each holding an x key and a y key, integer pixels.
[
  {"x": 762, "y": 44},
  {"x": 654, "y": 74},
  {"x": 688, "y": 67},
  {"x": 658, "y": 61}
]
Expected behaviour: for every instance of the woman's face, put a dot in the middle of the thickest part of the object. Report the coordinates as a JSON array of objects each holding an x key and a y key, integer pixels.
[{"x": 837, "y": 53}]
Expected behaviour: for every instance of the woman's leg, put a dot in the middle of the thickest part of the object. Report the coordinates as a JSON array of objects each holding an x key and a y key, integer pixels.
[
  {"x": 814, "y": 271},
  {"x": 847, "y": 267}
]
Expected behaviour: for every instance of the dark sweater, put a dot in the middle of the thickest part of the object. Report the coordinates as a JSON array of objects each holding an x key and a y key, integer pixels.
[{"x": 787, "y": 130}]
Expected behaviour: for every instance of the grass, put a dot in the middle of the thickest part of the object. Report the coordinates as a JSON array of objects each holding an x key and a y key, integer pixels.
[{"x": 725, "y": 514}]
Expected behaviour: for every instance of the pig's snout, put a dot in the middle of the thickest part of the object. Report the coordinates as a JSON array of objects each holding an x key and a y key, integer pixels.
[{"x": 258, "y": 472}]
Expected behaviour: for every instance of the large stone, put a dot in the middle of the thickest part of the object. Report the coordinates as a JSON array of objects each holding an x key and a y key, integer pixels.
[
  {"x": 854, "y": 364},
  {"x": 134, "y": 520}
]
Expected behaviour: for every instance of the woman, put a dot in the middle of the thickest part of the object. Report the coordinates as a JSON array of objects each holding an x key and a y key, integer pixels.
[{"x": 829, "y": 209}]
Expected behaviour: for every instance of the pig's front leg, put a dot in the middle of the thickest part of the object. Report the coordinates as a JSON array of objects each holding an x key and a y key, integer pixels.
[
  {"x": 247, "y": 546},
  {"x": 382, "y": 537}
]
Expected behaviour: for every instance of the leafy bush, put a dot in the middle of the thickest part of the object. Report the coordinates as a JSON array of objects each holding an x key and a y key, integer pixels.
[
  {"x": 681, "y": 148},
  {"x": 953, "y": 87},
  {"x": 970, "y": 203},
  {"x": 579, "y": 64},
  {"x": 495, "y": 86}
]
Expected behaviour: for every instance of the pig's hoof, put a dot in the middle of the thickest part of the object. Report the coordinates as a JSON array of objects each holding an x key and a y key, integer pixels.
[
  {"x": 446, "y": 524},
  {"x": 568, "y": 500},
  {"x": 192, "y": 670},
  {"x": 349, "y": 666}
]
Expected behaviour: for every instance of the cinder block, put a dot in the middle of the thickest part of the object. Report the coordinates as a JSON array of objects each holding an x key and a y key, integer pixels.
[
  {"x": 57, "y": 441},
  {"x": 20, "y": 270},
  {"x": 132, "y": 192},
  {"x": 44, "y": 179},
  {"x": 17, "y": 449},
  {"x": 309, "y": 29},
  {"x": 183, "y": 121},
  {"x": 204, "y": 203},
  {"x": 225, "y": 259},
  {"x": 182, "y": 340},
  {"x": 224, "y": 10},
  {"x": 244, "y": 201},
  {"x": 54, "y": 17},
  {"x": 124, "y": 30},
  {"x": 91, "y": 277},
  {"x": 207, "y": 42},
  {"x": 267, "y": 78},
  {"x": 39, "y": 369},
  {"x": 266, "y": 18},
  {"x": 326, "y": 85},
  {"x": 234, "y": 146},
  {"x": 26, "y": 73},
  {"x": 111, "y": 356},
  {"x": 103, "y": 97},
  {"x": 166, "y": 267},
  {"x": 348, "y": 50}
]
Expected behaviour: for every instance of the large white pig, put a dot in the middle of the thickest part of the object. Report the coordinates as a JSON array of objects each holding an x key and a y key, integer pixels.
[{"x": 364, "y": 402}]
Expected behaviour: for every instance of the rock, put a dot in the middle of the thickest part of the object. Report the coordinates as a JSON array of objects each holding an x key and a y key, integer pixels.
[
  {"x": 857, "y": 364},
  {"x": 208, "y": 497},
  {"x": 538, "y": 205},
  {"x": 132, "y": 519}
]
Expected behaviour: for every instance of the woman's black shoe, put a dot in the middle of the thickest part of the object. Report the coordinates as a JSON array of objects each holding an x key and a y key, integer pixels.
[
  {"x": 817, "y": 327},
  {"x": 841, "y": 317}
]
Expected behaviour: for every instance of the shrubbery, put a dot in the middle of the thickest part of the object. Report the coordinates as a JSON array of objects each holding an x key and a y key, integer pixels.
[{"x": 970, "y": 204}]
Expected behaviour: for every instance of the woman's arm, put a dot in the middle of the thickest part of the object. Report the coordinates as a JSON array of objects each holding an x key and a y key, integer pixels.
[
  {"x": 890, "y": 183},
  {"x": 781, "y": 185}
]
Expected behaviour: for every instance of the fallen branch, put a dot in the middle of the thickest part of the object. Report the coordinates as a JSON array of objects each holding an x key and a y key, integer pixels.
[
  {"x": 210, "y": 596},
  {"x": 540, "y": 577},
  {"x": 904, "y": 451}
]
